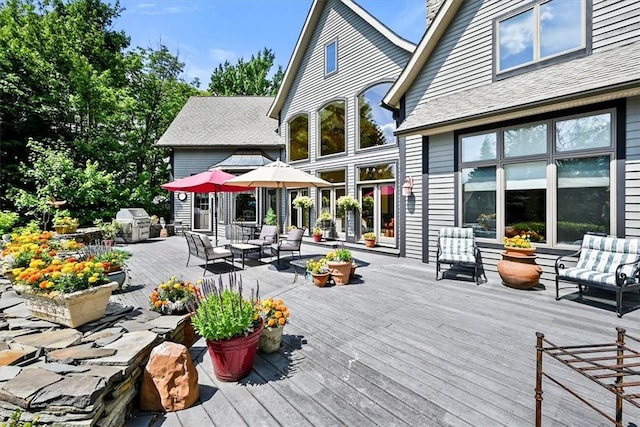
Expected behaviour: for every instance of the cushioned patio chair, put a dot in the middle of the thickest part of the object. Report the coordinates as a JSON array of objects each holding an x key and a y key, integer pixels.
[
  {"x": 291, "y": 244},
  {"x": 200, "y": 246},
  {"x": 268, "y": 236},
  {"x": 457, "y": 246}
]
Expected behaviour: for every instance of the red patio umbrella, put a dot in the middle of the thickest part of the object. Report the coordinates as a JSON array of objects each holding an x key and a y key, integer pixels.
[{"x": 211, "y": 181}]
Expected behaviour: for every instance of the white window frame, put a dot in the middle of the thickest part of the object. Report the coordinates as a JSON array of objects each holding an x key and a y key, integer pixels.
[
  {"x": 333, "y": 43},
  {"x": 551, "y": 175},
  {"x": 536, "y": 36}
]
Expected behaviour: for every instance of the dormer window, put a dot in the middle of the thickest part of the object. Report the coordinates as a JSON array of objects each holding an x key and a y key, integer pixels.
[
  {"x": 331, "y": 57},
  {"x": 545, "y": 31}
]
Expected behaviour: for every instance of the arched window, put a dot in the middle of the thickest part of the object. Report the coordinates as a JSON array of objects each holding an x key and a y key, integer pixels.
[
  {"x": 376, "y": 123},
  {"x": 299, "y": 138},
  {"x": 332, "y": 125}
]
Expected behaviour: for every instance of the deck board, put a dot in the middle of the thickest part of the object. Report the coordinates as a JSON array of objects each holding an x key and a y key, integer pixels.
[{"x": 396, "y": 348}]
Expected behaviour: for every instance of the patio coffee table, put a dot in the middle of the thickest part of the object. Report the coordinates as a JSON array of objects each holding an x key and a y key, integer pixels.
[{"x": 244, "y": 248}]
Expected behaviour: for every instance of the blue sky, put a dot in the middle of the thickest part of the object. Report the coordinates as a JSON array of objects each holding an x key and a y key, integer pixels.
[{"x": 205, "y": 33}]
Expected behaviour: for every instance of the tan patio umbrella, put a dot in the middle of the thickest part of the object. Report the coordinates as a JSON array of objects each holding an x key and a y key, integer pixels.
[{"x": 278, "y": 175}]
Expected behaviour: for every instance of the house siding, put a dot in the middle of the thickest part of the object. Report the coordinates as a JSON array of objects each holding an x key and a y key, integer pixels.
[
  {"x": 415, "y": 205},
  {"x": 463, "y": 57},
  {"x": 632, "y": 169},
  {"x": 365, "y": 58},
  {"x": 192, "y": 161}
]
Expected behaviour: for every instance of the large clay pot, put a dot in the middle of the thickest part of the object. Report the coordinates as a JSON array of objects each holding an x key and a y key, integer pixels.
[
  {"x": 320, "y": 279},
  {"x": 369, "y": 243},
  {"x": 340, "y": 271},
  {"x": 233, "y": 359},
  {"x": 270, "y": 339},
  {"x": 511, "y": 251},
  {"x": 518, "y": 270}
]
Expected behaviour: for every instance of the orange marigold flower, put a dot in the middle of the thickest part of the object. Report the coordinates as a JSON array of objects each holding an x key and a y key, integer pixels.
[
  {"x": 271, "y": 322},
  {"x": 282, "y": 321},
  {"x": 278, "y": 314}
]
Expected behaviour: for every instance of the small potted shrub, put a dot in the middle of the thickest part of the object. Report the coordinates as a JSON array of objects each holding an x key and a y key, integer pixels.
[
  {"x": 108, "y": 230},
  {"x": 64, "y": 223},
  {"x": 275, "y": 314},
  {"x": 369, "y": 239},
  {"x": 339, "y": 261},
  {"x": 317, "y": 234},
  {"x": 231, "y": 324}
]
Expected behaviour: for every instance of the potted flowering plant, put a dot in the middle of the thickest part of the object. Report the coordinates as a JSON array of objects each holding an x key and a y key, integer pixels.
[
  {"x": 173, "y": 296},
  {"x": 339, "y": 261},
  {"x": 317, "y": 234},
  {"x": 68, "y": 291},
  {"x": 275, "y": 315},
  {"x": 319, "y": 271},
  {"x": 369, "y": 239},
  {"x": 302, "y": 202},
  {"x": 231, "y": 324},
  {"x": 519, "y": 243},
  {"x": 348, "y": 202},
  {"x": 64, "y": 223}
]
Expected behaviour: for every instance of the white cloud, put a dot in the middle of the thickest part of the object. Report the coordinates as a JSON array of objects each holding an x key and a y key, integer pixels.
[
  {"x": 515, "y": 37},
  {"x": 388, "y": 129},
  {"x": 221, "y": 55}
]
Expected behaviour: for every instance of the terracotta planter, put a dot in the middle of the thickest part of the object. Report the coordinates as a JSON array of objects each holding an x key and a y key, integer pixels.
[
  {"x": 340, "y": 271},
  {"x": 370, "y": 243},
  {"x": 519, "y": 270},
  {"x": 233, "y": 359},
  {"x": 73, "y": 309},
  {"x": 320, "y": 279},
  {"x": 317, "y": 237},
  {"x": 270, "y": 339},
  {"x": 516, "y": 252},
  {"x": 353, "y": 271}
]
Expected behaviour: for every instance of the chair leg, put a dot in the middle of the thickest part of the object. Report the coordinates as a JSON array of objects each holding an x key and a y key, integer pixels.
[
  {"x": 188, "y": 258},
  {"x": 619, "y": 303},
  {"x": 557, "y": 289}
]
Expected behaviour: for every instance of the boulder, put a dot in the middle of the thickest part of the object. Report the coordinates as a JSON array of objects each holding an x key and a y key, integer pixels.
[{"x": 170, "y": 380}]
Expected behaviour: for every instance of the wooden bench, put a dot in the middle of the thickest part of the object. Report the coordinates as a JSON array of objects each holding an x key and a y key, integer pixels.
[
  {"x": 606, "y": 263},
  {"x": 200, "y": 246}
]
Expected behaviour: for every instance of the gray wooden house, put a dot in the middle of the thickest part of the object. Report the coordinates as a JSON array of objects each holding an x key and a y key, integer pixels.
[
  {"x": 233, "y": 133},
  {"x": 522, "y": 117},
  {"x": 331, "y": 121}
]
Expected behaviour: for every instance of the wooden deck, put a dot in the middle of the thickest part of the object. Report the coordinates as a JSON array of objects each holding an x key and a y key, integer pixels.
[{"x": 395, "y": 348}]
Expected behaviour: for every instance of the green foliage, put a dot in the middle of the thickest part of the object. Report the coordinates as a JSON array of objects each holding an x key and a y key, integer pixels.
[
  {"x": 15, "y": 421},
  {"x": 317, "y": 266},
  {"x": 109, "y": 229},
  {"x": 340, "y": 255},
  {"x": 247, "y": 78},
  {"x": 224, "y": 312},
  {"x": 7, "y": 221},
  {"x": 271, "y": 218},
  {"x": 369, "y": 236}
]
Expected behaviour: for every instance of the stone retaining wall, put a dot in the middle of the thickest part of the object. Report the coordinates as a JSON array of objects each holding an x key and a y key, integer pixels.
[{"x": 77, "y": 377}]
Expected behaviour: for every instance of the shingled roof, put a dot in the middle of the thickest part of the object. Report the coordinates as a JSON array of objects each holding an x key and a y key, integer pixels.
[
  {"x": 611, "y": 74},
  {"x": 207, "y": 121}
]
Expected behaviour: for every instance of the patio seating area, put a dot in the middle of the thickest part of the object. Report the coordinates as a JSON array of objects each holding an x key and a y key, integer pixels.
[{"x": 396, "y": 348}]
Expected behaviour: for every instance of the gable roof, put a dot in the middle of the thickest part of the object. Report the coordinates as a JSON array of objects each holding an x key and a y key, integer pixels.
[
  {"x": 305, "y": 36},
  {"x": 603, "y": 76},
  {"x": 207, "y": 121},
  {"x": 436, "y": 29}
]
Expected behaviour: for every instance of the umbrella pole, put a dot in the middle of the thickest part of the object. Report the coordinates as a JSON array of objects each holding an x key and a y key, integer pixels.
[{"x": 215, "y": 215}]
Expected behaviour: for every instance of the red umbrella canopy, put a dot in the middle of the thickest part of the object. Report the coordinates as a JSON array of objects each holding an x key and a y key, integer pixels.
[{"x": 210, "y": 181}]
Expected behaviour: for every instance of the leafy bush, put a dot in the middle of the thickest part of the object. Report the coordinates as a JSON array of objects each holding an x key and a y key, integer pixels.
[
  {"x": 7, "y": 221},
  {"x": 271, "y": 218}
]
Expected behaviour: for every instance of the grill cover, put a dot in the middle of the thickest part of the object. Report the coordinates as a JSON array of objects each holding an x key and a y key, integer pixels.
[{"x": 134, "y": 224}]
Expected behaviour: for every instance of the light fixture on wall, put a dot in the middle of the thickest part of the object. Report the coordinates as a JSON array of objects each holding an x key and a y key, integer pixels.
[
  {"x": 182, "y": 196},
  {"x": 407, "y": 187}
]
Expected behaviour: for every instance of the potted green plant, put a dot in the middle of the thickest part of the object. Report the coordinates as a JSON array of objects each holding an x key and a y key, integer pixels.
[
  {"x": 339, "y": 261},
  {"x": 275, "y": 315},
  {"x": 108, "y": 229},
  {"x": 302, "y": 202},
  {"x": 348, "y": 202},
  {"x": 317, "y": 234},
  {"x": 231, "y": 325},
  {"x": 64, "y": 223},
  {"x": 369, "y": 239},
  {"x": 324, "y": 220},
  {"x": 271, "y": 218},
  {"x": 319, "y": 271}
]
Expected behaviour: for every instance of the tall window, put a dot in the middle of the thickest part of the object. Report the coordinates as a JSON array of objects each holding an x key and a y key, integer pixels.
[
  {"x": 376, "y": 123},
  {"x": 299, "y": 138},
  {"x": 331, "y": 57},
  {"x": 550, "y": 180},
  {"x": 329, "y": 197},
  {"x": 332, "y": 125},
  {"x": 245, "y": 207},
  {"x": 542, "y": 31}
]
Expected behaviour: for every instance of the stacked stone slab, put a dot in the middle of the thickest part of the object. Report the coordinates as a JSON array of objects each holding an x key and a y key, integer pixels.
[{"x": 88, "y": 376}]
